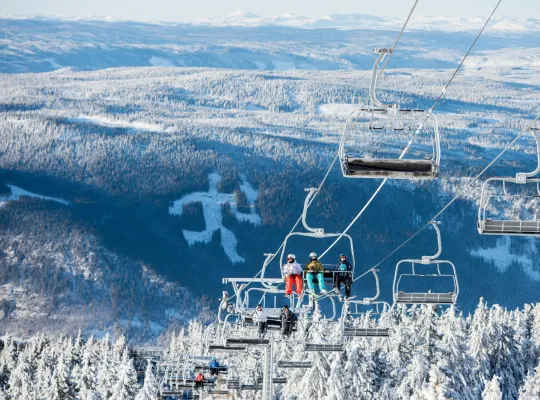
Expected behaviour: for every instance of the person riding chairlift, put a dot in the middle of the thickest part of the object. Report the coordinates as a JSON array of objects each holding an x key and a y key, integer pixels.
[
  {"x": 293, "y": 274},
  {"x": 214, "y": 366},
  {"x": 315, "y": 270},
  {"x": 261, "y": 318},
  {"x": 199, "y": 380},
  {"x": 343, "y": 274},
  {"x": 288, "y": 318}
]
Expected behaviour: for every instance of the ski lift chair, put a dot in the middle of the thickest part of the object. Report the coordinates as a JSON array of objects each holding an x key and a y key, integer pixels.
[
  {"x": 323, "y": 347},
  {"x": 233, "y": 384},
  {"x": 166, "y": 394},
  {"x": 318, "y": 233},
  {"x": 245, "y": 310},
  {"x": 251, "y": 387},
  {"x": 218, "y": 392},
  {"x": 222, "y": 369},
  {"x": 222, "y": 347},
  {"x": 355, "y": 166},
  {"x": 450, "y": 298},
  {"x": 515, "y": 227},
  {"x": 275, "y": 380},
  {"x": 356, "y": 308},
  {"x": 294, "y": 364}
]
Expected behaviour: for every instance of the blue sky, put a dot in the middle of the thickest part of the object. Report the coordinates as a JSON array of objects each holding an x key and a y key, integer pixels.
[{"x": 184, "y": 10}]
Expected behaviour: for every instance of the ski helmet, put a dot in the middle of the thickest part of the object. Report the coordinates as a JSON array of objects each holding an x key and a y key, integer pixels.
[
  {"x": 291, "y": 256},
  {"x": 312, "y": 255},
  {"x": 343, "y": 256}
]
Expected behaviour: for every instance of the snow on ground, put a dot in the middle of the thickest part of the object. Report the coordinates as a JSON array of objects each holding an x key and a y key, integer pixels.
[
  {"x": 283, "y": 65},
  {"x": 338, "y": 110},
  {"x": 160, "y": 62},
  {"x": 502, "y": 257},
  {"x": 337, "y": 21},
  {"x": 107, "y": 122},
  {"x": 212, "y": 202},
  {"x": 505, "y": 58},
  {"x": 53, "y": 63},
  {"x": 362, "y": 21},
  {"x": 17, "y": 192}
]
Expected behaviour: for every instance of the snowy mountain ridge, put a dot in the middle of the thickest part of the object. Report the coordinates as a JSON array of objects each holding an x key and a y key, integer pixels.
[{"x": 499, "y": 23}]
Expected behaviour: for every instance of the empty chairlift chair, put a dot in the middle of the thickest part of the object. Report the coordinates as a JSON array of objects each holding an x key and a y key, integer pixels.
[
  {"x": 323, "y": 347},
  {"x": 357, "y": 308},
  {"x": 496, "y": 189},
  {"x": 294, "y": 364},
  {"x": 427, "y": 297},
  {"x": 354, "y": 165}
]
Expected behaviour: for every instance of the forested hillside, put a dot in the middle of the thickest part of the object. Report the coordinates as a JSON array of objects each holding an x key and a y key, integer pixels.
[
  {"x": 491, "y": 354},
  {"x": 103, "y": 157}
]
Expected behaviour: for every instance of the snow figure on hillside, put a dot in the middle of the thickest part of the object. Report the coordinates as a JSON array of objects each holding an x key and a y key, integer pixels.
[{"x": 211, "y": 203}]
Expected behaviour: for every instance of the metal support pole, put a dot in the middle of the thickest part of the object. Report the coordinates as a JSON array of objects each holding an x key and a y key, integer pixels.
[{"x": 267, "y": 373}]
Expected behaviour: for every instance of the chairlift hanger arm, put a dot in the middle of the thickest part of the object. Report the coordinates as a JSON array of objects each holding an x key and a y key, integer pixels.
[{"x": 429, "y": 259}]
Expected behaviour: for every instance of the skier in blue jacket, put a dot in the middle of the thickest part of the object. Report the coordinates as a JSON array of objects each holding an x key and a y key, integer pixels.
[
  {"x": 343, "y": 274},
  {"x": 214, "y": 366}
]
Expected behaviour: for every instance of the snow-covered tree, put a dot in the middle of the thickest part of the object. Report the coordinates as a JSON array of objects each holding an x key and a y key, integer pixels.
[
  {"x": 492, "y": 391},
  {"x": 150, "y": 389},
  {"x": 479, "y": 344},
  {"x": 126, "y": 384},
  {"x": 531, "y": 387}
]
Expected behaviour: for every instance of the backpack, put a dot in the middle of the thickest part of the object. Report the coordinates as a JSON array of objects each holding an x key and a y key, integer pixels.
[{"x": 342, "y": 269}]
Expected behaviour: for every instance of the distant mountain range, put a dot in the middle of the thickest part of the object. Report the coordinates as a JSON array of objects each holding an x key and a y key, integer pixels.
[
  {"x": 337, "y": 21},
  {"x": 244, "y": 41}
]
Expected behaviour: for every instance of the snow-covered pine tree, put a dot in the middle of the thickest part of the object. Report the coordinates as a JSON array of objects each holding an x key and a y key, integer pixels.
[
  {"x": 535, "y": 325},
  {"x": 337, "y": 381},
  {"x": 20, "y": 380},
  {"x": 505, "y": 356},
  {"x": 126, "y": 385},
  {"x": 54, "y": 392},
  {"x": 531, "y": 387},
  {"x": 85, "y": 377},
  {"x": 523, "y": 326},
  {"x": 479, "y": 345},
  {"x": 359, "y": 373},
  {"x": 492, "y": 391},
  {"x": 106, "y": 372},
  {"x": 314, "y": 382},
  {"x": 452, "y": 366},
  {"x": 400, "y": 349},
  {"x": 8, "y": 359},
  {"x": 414, "y": 380},
  {"x": 62, "y": 374},
  {"x": 43, "y": 378},
  {"x": 150, "y": 389}
]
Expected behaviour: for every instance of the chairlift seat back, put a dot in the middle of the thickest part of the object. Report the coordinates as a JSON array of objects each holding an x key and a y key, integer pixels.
[
  {"x": 366, "y": 332},
  {"x": 226, "y": 348},
  {"x": 323, "y": 347},
  {"x": 509, "y": 227},
  {"x": 294, "y": 364},
  {"x": 248, "y": 341},
  {"x": 390, "y": 168},
  {"x": 425, "y": 298}
]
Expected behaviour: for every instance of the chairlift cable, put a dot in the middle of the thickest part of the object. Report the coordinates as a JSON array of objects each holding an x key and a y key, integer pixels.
[
  {"x": 466, "y": 55},
  {"x": 456, "y": 197},
  {"x": 269, "y": 260},
  {"x": 337, "y": 154},
  {"x": 420, "y": 126},
  {"x": 397, "y": 40}
]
